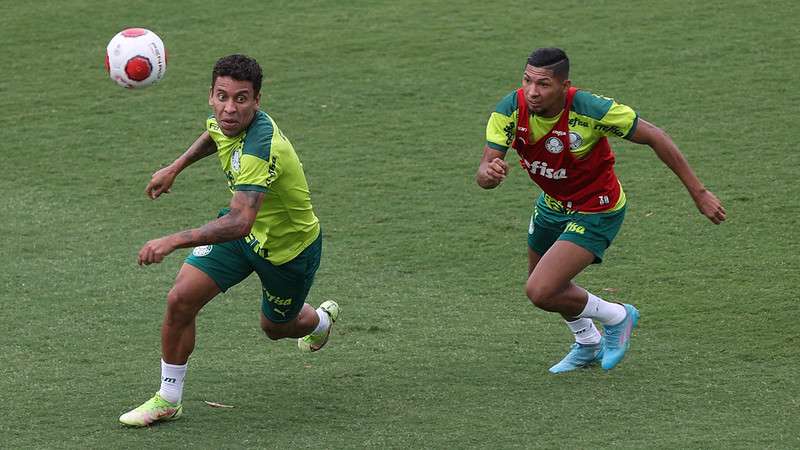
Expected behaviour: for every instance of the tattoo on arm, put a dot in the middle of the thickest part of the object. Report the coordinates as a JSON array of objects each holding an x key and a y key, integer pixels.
[
  {"x": 200, "y": 148},
  {"x": 234, "y": 225}
]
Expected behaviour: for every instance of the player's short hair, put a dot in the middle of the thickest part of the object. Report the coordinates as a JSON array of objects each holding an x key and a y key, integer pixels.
[
  {"x": 551, "y": 58},
  {"x": 239, "y": 67}
]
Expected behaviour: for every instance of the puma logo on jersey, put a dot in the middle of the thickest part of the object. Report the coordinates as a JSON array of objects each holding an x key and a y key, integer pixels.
[{"x": 540, "y": 168}]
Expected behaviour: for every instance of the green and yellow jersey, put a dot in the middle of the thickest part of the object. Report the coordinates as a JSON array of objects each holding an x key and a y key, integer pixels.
[
  {"x": 591, "y": 118},
  {"x": 262, "y": 159}
]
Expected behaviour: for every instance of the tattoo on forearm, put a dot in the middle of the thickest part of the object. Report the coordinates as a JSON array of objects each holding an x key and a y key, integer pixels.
[
  {"x": 233, "y": 225},
  {"x": 224, "y": 229},
  {"x": 201, "y": 148},
  {"x": 200, "y": 152}
]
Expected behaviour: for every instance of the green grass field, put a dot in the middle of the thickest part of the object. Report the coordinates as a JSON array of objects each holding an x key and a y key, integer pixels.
[{"x": 386, "y": 103}]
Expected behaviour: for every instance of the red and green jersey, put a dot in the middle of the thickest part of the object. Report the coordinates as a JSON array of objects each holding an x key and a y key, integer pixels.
[
  {"x": 262, "y": 159},
  {"x": 590, "y": 121}
]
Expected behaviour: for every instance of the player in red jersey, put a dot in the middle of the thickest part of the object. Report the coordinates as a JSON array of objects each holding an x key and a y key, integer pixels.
[{"x": 560, "y": 134}]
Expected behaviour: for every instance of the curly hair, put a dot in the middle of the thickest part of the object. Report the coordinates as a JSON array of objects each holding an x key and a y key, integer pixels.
[{"x": 239, "y": 67}]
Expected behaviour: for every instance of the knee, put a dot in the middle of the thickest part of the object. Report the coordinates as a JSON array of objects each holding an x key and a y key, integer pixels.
[
  {"x": 180, "y": 307},
  {"x": 272, "y": 330},
  {"x": 272, "y": 334},
  {"x": 541, "y": 295}
]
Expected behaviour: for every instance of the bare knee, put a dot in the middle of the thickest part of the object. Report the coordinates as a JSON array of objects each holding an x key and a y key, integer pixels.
[
  {"x": 274, "y": 331},
  {"x": 273, "y": 334},
  {"x": 542, "y": 295},
  {"x": 180, "y": 307}
]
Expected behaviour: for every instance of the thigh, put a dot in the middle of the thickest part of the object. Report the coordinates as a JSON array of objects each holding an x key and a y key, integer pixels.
[
  {"x": 225, "y": 263},
  {"x": 286, "y": 287},
  {"x": 544, "y": 230},
  {"x": 193, "y": 288},
  {"x": 560, "y": 264},
  {"x": 533, "y": 260}
]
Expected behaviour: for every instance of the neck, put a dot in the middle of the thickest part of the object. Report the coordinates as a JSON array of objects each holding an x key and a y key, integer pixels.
[
  {"x": 551, "y": 113},
  {"x": 556, "y": 109}
]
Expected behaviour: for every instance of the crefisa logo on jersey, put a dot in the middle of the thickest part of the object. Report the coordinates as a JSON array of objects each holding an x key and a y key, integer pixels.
[
  {"x": 203, "y": 250},
  {"x": 554, "y": 145},
  {"x": 575, "y": 140},
  {"x": 236, "y": 156}
]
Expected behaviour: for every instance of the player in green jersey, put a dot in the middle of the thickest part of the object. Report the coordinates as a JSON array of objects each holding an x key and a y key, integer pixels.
[
  {"x": 565, "y": 237},
  {"x": 269, "y": 228}
]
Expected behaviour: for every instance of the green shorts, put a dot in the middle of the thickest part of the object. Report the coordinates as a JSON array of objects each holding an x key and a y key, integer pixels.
[
  {"x": 592, "y": 231},
  {"x": 284, "y": 287}
]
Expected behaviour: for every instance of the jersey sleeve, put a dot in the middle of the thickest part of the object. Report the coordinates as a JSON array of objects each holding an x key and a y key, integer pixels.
[
  {"x": 619, "y": 121},
  {"x": 256, "y": 174},
  {"x": 502, "y": 125},
  {"x": 609, "y": 117},
  {"x": 258, "y": 167}
]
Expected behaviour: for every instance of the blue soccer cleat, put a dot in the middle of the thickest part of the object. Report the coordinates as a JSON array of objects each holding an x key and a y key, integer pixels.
[
  {"x": 618, "y": 338},
  {"x": 579, "y": 356}
]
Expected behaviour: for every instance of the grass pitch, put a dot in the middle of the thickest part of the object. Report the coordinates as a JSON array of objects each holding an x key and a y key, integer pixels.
[{"x": 386, "y": 104}]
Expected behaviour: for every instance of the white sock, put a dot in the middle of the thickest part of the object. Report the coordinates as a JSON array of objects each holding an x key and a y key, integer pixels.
[
  {"x": 606, "y": 312},
  {"x": 172, "y": 382},
  {"x": 584, "y": 330},
  {"x": 324, "y": 322}
]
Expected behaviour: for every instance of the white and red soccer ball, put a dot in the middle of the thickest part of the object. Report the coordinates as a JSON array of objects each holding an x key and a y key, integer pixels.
[{"x": 136, "y": 58}]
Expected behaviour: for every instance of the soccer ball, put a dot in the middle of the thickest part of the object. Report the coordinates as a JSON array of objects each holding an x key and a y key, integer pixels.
[{"x": 136, "y": 58}]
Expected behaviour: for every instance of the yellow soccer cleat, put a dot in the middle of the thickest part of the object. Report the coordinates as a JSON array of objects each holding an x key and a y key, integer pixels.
[
  {"x": 314, "y": 342},
  {"x": 154, "y": 410}
]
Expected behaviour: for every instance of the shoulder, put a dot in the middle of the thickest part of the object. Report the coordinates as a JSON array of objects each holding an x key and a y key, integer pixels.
[
  {"x": 590, "y": 105},
  {"x": 507, "y": 105},
  {"x": 258, "y": 140},
  {"x": 610, "y": 118}
]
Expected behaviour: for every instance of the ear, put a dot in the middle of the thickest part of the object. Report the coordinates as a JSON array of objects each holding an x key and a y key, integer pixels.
[
  {"x": 210, "y": 92},
  {"x": 258, "y": 99},
  {"x": 567, "y": 84}
]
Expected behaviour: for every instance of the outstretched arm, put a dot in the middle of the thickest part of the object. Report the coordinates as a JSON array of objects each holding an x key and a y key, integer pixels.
[
  {"x": 234, "y": 225},
  {"x": 493, "y": 169},
  {"x": 162, "y": 180},
  {"x": 708, "y": 204}
]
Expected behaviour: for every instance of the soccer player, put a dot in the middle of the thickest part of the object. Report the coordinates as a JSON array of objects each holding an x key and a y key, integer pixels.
[
  {"x": 269, "y": 228},
  {"x": 560, "y": 134}
]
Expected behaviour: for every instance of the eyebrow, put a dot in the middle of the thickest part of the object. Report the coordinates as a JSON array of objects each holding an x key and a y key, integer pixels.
[
  {"x": 536, "y": 77},
  {"x": 239, "y": 92}
]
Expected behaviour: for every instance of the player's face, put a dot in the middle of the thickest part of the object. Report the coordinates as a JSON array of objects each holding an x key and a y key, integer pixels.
[
  {"x": 544, "y": 92},
  {"x": 234, "y": 103}
]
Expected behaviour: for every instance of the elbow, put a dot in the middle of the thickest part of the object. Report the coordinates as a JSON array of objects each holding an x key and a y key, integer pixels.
[
  {"x": 239, "y": 222},
  {"x": 242, "y": 227}
]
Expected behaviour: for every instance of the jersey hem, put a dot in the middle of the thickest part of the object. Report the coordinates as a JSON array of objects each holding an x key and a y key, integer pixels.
[
  {"x": 249, "y": 187},
  {"x": 304, "y": 246},
  {"x": 497, "y": 147}
]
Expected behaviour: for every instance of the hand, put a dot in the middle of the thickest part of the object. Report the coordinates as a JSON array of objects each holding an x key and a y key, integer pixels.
[
  {"x": 160, "y": 183},
  {"x": 710, "y": 206},
  {"x": 154, "y": 251},
  {"x": 496, "y": 171}
]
